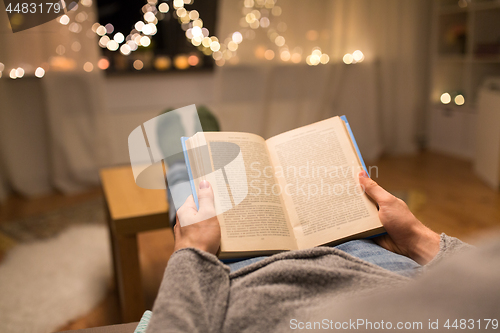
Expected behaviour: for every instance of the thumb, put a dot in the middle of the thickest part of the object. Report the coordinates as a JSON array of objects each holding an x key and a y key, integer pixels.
[
  {"x": 206, "y": 197},
  {"x": 373, "y": 189}
]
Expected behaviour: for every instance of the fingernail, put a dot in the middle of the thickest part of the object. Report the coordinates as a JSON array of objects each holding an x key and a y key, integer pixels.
[
  {"x": 204, "y": 184},
  {"x": 363, "y": 174}
]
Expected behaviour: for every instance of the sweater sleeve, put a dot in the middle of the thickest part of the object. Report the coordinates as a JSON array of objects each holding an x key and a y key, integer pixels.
[
  {"x": 193, "y": 295},
  {"x": 447, "y": 247}
]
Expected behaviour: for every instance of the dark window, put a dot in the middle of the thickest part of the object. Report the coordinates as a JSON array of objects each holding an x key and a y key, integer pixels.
[{"x": 169, "y": 48}]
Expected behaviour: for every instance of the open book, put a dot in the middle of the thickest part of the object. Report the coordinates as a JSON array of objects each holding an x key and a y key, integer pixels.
[{"x": 296, "y": 190}]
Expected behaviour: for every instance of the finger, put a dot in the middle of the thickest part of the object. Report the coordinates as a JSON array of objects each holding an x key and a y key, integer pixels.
[
  {"x": 376, "y": 192},
  {"x": 206, "y": 197},
  {"x": 189, "y": 204},
  {"x": 177, "y": 228}
]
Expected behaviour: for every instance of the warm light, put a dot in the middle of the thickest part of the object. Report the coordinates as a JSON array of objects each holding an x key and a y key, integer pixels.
[
  {"x": 88, "y": 67},
  {"x": 132, "y": 44},
  {"x": 76, "y": 46},
  {"x": 312, "y": 60},
  {"x": 119, "y": 38},
  {"x": 193, "y": 60},
  {"x": 196, "y": 31},
  {"x": 112, "y": 45},
  {"x": 217, "y": 55},
  {"x": 39, "y": 72},
  {"x": 215, "y": 46},
  {"x": 198, "y": 23},
  {"x": 348, "y": 59},
  {"x": 86, "y": 3},
  {"x": 316, "y": 53},
  {"x": 163, "y": 7},
  {"x": 103, "y": 41},
  {"x": 237, "y": 37},
  {"x": 196, "y": 41},
  {"x": 181, "y": 12},
  {"x": 264, "y": 22},
  {"x": 206, "y": 42},
  {"x": 145, "y": 41},
  {"x": 459, "y": 100},
  {"x": 358, "y": 56},
  {"x": 149, "y": 29},
  {"x": 232, "y": 46},
  {"x": 181, "y": 62},
  {"x": 296, "y": 57},
  {"x": 162, "y": 63},
  {"x": 220, "y": 62},
  {"x": 64, "y": 20},
  {"x": 101, "y": 30},
  {"x": 75, "y": 27},
  {"x": 138, "y": 65},
  {"x": 254, "y": 25},
  {"x": 178, "y": 3},
  {"x": 19, "y": 72},
  {"x": 269, "y": 54},
  {"x": 248, "y": 3},
  {"x": 194, "y": 15},
  {"x": 12, "y": 74},
  {"x": 149, "y": 17},
  {"x": 250, "y": 17},
  {"x": 139, "y": 25},
  {"x": 103, "y": 63},
  {"x": 285, "y": 55},
  {"x": 2, "y": 66},
  {"x": 324, "y": 58},
  {"x": 125, "y": 49},
  {"x": 445, "y": 98},
  {"x": 260, "y": 52},
  {"x": 276, "y": 11},
  {"x": 60, "y": 49},
  {"x": 280, "y": 41}
]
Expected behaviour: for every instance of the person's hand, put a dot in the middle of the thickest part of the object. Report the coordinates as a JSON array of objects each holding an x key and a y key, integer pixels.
[
  {"x": 406, "y": 235},
  {"x": 201, "y": 228}
]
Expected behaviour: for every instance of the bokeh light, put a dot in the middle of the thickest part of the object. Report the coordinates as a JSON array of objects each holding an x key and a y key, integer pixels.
[{"x": 445, "y": 98}]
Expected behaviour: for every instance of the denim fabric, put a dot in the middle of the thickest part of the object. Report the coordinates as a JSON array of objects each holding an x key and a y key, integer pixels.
[{"x": 364, "y": 249}]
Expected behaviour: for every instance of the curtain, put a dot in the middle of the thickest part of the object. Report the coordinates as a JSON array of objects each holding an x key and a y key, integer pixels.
[
  {"x": 52, "y": 129},
  {"x": 384, "y": 97}
]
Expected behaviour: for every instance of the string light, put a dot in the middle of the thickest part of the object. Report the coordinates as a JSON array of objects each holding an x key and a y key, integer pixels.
[
  {"x": 445, "y": 98},
  {"x": 39, "y": 72},
  {"x": 256, "y": 14}
]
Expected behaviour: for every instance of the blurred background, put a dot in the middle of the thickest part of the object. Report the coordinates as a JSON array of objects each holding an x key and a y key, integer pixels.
[{"x": 419, "y": 81}]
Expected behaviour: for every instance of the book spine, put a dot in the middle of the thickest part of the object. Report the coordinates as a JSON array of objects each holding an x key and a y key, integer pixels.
[
  {"x": 355, "y": 144},
  {"x": 190, "y": 174}
]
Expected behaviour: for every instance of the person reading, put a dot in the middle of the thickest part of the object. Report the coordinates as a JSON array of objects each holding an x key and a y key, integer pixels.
[{"x": 411, "y": 275}]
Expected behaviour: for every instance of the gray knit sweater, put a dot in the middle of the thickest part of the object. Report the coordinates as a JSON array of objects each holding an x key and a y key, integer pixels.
[{"x": 198, "y": 294}]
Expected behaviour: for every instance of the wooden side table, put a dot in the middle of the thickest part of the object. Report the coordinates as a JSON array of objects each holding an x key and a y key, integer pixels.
[{"x": 130, "y": 210}]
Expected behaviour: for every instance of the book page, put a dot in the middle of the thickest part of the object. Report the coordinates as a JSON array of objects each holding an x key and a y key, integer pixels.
[
  {"x": 251, "y": 216},
  {"x": 317, "y": 167}
]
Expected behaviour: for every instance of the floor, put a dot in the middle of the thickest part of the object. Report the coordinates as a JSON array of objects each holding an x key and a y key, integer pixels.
[{"x": 452, "y": 200}]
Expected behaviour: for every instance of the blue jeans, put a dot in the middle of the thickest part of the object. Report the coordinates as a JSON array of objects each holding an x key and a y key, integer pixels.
[{"x": 364, "y": 249}]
